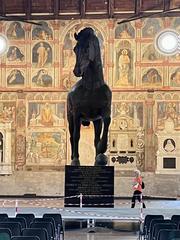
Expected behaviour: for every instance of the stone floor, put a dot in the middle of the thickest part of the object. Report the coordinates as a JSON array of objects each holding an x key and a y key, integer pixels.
[{"x": 100, "y": 234}]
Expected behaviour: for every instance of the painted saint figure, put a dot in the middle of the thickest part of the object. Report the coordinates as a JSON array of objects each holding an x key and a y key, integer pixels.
[
  {"x": 42, "y": 55},
  {"x": 47, "y": 115},
  {"x": 124, "y": 66}
]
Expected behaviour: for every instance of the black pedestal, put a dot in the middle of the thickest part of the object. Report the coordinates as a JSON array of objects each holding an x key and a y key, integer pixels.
[{"x": 95, "y": 183}]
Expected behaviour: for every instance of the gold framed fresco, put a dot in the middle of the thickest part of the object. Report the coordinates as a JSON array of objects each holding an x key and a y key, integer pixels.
[
  {"x": 15, "y": 31},
  {"x": 45, "y": 148},
  {"x": 46, "y": 114},
  {"x": 8, "y": 111},
  {"x": 43, "y": 77},
  {"x": 174, "y": 76},
  {"x": 42, "y": 54},
  {"x": 167, "y": 111},
  {"x": 43, "y": 32},
  {"x": 151, "y": 27},
  {"x": 149, "y": 53},
  {"x": 123, "y": 74},
  {"x": 16, "y": 55},
  {"x": 127, "y": 115},
  {"x": 15, "y": 77},
  {"x": 152, "y": 77}
]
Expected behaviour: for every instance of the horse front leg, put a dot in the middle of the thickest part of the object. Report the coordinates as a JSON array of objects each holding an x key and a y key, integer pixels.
[
  {"x": 97, "y": 133},
  {"x": 102, "y": 145},
  {"x": 76, "y": 137}
]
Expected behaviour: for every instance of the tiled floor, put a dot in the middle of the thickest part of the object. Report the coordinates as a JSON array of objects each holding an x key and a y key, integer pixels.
[{"x": 100, "y": 234}]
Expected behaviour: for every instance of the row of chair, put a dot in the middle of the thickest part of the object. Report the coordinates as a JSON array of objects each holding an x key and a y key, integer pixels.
[
  {"x": 155, "y": 227},
  {"x": 49, "y": 227}
]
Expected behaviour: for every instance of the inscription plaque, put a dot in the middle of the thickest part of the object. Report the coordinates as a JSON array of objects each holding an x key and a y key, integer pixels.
[{"x": 95, "y": 183}]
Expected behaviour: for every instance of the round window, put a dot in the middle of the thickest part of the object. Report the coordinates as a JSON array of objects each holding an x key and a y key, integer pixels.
[{"x": 168, "y": 42}]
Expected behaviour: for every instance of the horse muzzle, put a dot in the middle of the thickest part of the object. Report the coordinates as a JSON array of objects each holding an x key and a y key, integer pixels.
[{"x": 77, "y": 72}]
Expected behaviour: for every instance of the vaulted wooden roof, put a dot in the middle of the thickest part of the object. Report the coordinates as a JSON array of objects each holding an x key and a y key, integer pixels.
[{"x": 69, "y": 9}]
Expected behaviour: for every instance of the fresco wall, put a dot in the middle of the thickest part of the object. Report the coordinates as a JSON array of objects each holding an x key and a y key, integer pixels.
[{"x": 36, "y": 74}]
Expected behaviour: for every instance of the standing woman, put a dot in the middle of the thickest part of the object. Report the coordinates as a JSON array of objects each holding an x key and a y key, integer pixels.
[{"x": 137, "y": 187}]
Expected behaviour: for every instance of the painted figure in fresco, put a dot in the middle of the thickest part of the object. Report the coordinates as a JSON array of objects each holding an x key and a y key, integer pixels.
[
  {"x": 42, "y": 78},
  {"x": 151, "y": 54},
  {"x": 15, "y": 31},
  {"x": 152, "y": 77},
  {"x": 42, "y": 54},
  {"x": 68, "y": 55},
  {"x": 169, "y": 145},
  {"x": 90, "y": 98},
  {"x": 175, "y": 78},
  {"x": 124, "y": 66},
  {"x": 14, "y": 54},
  {"x": 124, "y": 31},
  {"x": 15, "y": 77},
  {"x": 47, "y": 115},
  {"x": 42, "y": 32},
  {"x": 152, "y": 26}
]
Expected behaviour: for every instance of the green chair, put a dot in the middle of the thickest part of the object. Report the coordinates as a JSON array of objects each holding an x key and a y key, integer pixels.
[{"x": 4, "y": 236}]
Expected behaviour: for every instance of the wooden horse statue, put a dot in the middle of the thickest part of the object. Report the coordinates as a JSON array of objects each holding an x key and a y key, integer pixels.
[{"x": 90, "y": 98}]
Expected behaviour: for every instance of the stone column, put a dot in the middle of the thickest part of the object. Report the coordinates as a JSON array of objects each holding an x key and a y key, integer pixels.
[{"x": 150, "y": 158}]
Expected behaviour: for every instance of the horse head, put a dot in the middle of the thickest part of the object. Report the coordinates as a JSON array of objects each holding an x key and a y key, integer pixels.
[{"x": 86, "y": 49}]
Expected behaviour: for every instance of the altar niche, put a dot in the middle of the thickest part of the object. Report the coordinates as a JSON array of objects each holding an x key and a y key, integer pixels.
[{"x": 95, "y": 183}]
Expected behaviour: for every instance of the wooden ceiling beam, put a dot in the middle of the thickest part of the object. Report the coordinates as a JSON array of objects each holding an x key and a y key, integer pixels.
[
  {"x": 82, "y": 8},
  {"x": 111, "y": 8},
  {"x": 28, "y": 9},
  {"x": 56, "y": 8}
]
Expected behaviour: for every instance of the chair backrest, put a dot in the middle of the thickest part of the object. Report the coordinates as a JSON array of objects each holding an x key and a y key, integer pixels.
[
  {"x": 28, "y": 216},
  {"x": 3, "y": 217},
  {"x": 39, "y": 232},
  {"x": 155, "y": 221},
  {"x": 4, "y": 236},
  {"x": 174, "y": 234},
  {"x": 50, "y": 219},
  {"x": 6, "y": 230},
  {"x": 175, "y": 218},
  {"x": 160, "y": 226},
  {"x": 21, "y": 221},
  {"x": 25, "y": 238},
  {"x": 166, "y": 234},
  {"x": 148, "y": 219},
  {"x": 47, "y": 225},
  {"x": 56, "y": 216},
  {"x": 15, "y": 227}
]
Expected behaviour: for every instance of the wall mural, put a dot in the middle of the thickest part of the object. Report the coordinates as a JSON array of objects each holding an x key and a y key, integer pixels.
[
  {"x": 152, "y": 77},
  {"x": 41, "y": 58},
  {"x": 46, "y": 114},
  {"x": 15, "y": 55},
  {"x": 43, "y": 32},
  {"x": 46, "y": 148},
  {"x": 151, "y": 27},
  {"x": 168, "y": 111},
  {"x": 42, "y": 78},
  {"x": 124, "y": 64},
  {"x": 175, "y": 77},
  {"x": 15, "y": 31}
]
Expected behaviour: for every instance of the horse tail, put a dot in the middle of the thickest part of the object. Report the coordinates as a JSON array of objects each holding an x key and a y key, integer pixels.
[{"x": 85, "y": 123}]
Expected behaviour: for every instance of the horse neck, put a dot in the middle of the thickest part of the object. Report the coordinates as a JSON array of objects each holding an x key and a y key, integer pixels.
[{"x": 93, "y": 77}]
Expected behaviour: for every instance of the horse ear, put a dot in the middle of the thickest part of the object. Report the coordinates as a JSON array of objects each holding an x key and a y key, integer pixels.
[
  {"x": 76, "y": 36},
  {"x": 91, "y": 50}
]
